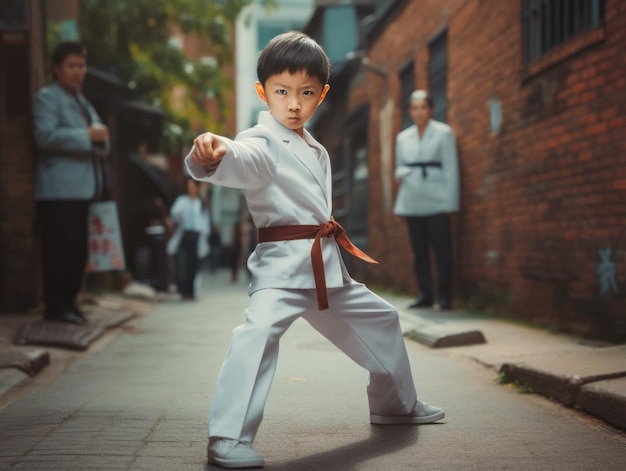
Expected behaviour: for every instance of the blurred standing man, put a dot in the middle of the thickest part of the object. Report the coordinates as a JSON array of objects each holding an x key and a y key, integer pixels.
[
  {"x": 67, "y": 130},
  {"x": 427, "y": 166}
]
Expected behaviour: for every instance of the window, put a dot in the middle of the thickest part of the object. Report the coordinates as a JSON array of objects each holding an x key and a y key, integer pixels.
[
  {"x": 267, "y": 31},
  {"x": 339, "y": 33},
  {"x": 547, "y": 23},
  {"x": 407, "y": 82},
  {"x": 438, "y": 74},
  {"x": 14, "y": 15}
]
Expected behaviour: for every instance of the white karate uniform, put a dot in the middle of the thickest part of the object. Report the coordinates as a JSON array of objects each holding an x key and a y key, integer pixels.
[{"x": 288, "y": 182}]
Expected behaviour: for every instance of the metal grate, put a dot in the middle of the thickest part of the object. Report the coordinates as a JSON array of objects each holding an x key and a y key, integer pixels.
[{"x": 547, "y": 23}]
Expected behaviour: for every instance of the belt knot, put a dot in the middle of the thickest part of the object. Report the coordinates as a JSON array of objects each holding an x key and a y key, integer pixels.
[{"x": 327, "y": 229}]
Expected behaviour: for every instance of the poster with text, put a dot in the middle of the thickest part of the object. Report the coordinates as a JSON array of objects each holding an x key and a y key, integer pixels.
[{"x": 106, "y": 252}]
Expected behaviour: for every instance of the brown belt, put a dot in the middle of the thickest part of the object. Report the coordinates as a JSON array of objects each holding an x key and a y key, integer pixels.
[{"x": 328, "y": 229}]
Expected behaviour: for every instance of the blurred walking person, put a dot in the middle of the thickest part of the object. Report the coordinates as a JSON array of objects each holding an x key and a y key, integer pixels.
[
  {"x": 189, "y": 243},
  {"x": 68, "y": 133}
]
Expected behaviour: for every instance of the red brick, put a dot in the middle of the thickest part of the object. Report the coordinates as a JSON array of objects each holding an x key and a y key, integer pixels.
[
  {"x": 618, "y": 123},
  {"x": 596, "y": 129}
]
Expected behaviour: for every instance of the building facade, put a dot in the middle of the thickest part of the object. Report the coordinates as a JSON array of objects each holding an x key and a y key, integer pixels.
[
  {"x": 21, "y": 41},
  {"x": 535, "y": 91},
  {"x": 24, "y": 69}
]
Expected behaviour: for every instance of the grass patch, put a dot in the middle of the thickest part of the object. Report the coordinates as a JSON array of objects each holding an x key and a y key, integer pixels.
[{"x": 520, "y": 387}]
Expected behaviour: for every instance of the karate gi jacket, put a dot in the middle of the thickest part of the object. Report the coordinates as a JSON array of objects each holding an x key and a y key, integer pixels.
[
  {"x": 285, "y": 184},
  {"x": 427, "y": 190}
]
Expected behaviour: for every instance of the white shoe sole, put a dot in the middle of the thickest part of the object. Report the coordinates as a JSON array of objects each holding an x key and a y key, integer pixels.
[
  {"x": 237, "y": 463},
  {"x": 406, "y": 419}
]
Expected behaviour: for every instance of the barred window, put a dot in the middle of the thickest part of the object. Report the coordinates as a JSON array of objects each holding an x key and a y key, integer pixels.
[
  {"x": 407, "y": 83},
  {"x": 547, "y": 23},
  {"x": 438, "y": 74}
]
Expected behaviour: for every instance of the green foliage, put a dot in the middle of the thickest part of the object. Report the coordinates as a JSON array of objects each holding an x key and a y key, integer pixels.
[
  {"x": 132, "y": 40},
  {"x": 520, "y": 387},
  {"x": 502, "y": 378},
  {"x": 523, "y": 388},
  {"x": 53, "y": 34}
]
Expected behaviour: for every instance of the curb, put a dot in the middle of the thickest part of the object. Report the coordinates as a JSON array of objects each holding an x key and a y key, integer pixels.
[
  {"x": 10, "y": 378},
  {"x": 590, "y": 379},
  {"x": 434, "y": 339},
  {"x": 601, "y": 397},
  {"x": 605, "y": 400},
  {"x": 18, "y": 365}
]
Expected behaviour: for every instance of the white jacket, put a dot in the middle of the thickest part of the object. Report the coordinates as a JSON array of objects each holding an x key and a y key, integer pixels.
[
  {"x": 178, "y": 213},
  {"x": 284, "y": 184},
  {"x": 433, "y": 190}
]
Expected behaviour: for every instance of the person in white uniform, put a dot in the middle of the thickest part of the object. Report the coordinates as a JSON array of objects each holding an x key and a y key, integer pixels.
[
  {"x": 427, "y": 167},
  {"x": 297, "y": 269}
]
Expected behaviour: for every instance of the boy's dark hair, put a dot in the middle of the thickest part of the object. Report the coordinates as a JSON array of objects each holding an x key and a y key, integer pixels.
[
  {"x": 66, "y": 49},
  {"x": 293, "y": 51}
]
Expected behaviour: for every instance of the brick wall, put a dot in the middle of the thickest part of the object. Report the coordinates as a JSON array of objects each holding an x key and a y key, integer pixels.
[
  {"x": 19, "y": 274},
  {"x": 542, "y": 195},
  {"x": 405, "y": 40},
  {"x": 20, "y": 279}
]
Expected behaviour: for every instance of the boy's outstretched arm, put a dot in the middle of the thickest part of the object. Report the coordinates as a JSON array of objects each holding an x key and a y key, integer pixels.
[
  {"x": 250, "y": 161},
  {"x": 208, "y": 150}
]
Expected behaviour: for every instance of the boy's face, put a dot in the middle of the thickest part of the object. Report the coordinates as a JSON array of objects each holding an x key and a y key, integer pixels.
[
  {"x": 71, "y": 73},
  {"x": 292, "y": 98}
]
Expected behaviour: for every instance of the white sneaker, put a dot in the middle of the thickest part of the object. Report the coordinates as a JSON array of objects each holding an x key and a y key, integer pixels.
[
  {"x": 422, "y": 413},
  {"x": 229, "y": 453}
]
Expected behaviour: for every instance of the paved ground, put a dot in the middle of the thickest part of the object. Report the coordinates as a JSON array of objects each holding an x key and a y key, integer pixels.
[{"x": 137, "y": 399}]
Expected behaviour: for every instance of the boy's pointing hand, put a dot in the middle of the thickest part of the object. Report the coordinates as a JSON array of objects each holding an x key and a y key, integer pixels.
[{"x": 208, "y": 149}]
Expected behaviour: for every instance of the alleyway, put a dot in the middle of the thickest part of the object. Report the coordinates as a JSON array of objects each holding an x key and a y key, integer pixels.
[{"x": 140, "y": 402}]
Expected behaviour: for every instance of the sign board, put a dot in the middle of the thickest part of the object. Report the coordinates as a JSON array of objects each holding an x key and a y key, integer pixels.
[{"x": 106, "y": 252}]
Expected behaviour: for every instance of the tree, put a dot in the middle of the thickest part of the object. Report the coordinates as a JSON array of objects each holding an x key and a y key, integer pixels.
[{"x": 132, "y": 39}]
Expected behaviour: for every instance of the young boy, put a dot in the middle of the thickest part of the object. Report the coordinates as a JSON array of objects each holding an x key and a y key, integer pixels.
[{"x": 297, "y": 269}]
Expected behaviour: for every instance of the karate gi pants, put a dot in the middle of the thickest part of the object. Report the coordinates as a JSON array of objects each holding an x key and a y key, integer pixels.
[{"x": 361, "y": 324}]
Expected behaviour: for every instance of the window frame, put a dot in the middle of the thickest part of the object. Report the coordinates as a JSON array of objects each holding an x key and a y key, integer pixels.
[
  {"x": 438, "y": 73},
  {"x": 547, "y": 24},
  {"x": 406, "y": 77}
]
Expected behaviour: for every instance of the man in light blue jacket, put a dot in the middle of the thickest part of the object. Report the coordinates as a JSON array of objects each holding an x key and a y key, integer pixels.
[
  {"x": 67, "y": 132},
  {"x": 427, "y": 166}
]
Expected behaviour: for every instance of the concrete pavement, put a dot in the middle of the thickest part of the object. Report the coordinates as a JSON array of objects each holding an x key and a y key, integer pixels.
[
  {"x": 28, "y": 344},
  {"x": 137, "y": 399},
  {"x": 587, "y": 376}
]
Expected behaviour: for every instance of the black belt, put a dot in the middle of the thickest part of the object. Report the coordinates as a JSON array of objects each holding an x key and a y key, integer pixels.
[{"x": 424, "y": 165}]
